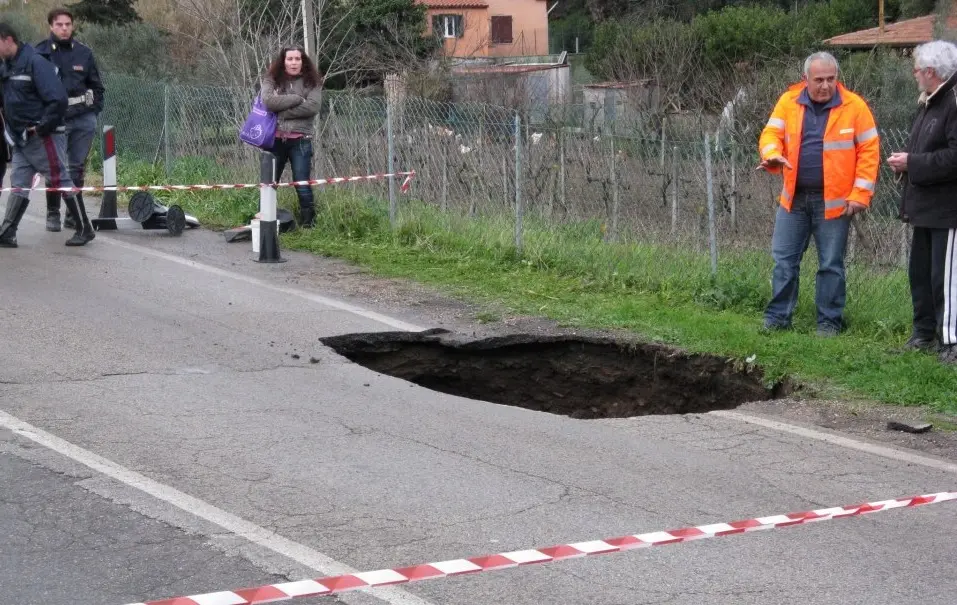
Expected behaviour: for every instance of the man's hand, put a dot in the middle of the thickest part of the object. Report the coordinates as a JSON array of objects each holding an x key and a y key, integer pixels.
[
  {"x": 774, "y": 162},
  {"x": 853, "y": 208},
  {"x": 898, "y": 161}
]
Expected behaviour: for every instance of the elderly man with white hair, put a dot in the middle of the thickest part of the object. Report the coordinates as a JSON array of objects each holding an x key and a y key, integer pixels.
[{"x": 928, "y": 169}]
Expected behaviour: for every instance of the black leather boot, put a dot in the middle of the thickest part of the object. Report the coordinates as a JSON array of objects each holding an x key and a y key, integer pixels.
[
  {"x": 307, "y": 217},
  {"x": 84, "y": 230},
  {"x": 69, "y": 219},
  {"x": 16, "y": 206},
  {"x": 53, "y": 211}
]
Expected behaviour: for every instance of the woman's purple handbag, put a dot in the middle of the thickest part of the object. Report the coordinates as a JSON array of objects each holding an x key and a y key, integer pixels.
[{"x": 259, "y": 129}]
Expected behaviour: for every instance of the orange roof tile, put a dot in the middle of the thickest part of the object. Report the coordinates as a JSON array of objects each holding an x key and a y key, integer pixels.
[
  {"x": 910, "y": 32},
  {"x": 453, "y": 3}
]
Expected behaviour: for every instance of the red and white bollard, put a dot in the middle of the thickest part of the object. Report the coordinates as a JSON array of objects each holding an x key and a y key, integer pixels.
[
  {"x": 268, "y": 220},
  {"x": 108, "y": 205}
]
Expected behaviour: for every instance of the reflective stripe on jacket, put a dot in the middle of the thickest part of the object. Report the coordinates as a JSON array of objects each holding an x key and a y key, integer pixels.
[{"x": 851, "y": 149}]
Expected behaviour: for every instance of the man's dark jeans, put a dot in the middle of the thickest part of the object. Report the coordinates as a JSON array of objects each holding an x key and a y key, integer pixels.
[{"x": 792, "y": 234}]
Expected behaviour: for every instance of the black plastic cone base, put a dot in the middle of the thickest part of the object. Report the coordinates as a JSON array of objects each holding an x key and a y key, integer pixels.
[
  {"x": 108, "y": 205},
  {"x": 269, "y": 243},
  {"x": 175, "y": 220},
  {"x": 142, "y": 207}
]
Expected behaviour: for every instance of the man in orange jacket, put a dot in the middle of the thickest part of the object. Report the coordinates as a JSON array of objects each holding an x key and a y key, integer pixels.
[{"x": 823, "y": 138}]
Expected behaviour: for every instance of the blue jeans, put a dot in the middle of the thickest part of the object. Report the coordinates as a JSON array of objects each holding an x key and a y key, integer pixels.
[
  {"x": 792, "y": 234},
  {"x": 298, "y": 153}
]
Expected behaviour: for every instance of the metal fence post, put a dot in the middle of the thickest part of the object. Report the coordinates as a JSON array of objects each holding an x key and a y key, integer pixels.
[
  {"x": 519, "y": 207},
  {"x": 473, "y": 209},
  {"x": 168, "y": 160},
  {"x": 505, "y": 196},
  {"x": 613, "y": 229},
  {"x": 674, "y": 190},
  {"x": 734, "y": 188},
  {"x": 712, "y": 227},
  {"x": 851, "y": 241},
  {"x": 445, "y": 183},
  {"x": 905, "y": 245},
  {"x": 393, "y": 210},
  {"x": 664, "y": 129},
  {"x": 561, "y": 170}
]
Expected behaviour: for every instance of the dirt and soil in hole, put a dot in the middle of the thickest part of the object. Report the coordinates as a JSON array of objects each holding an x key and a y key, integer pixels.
[{"x": 580, "y": 377}]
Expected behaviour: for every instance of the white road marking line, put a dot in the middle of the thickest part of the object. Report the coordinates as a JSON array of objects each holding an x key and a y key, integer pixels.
[
  {"x": 899, "y": 455},
  {"x": 316, "y": 298},
  {"x": 259, "y": 283},
  {"x": 270, "y": 540}
]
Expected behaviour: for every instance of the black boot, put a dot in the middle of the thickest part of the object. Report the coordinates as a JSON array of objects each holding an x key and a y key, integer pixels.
[
  {"x": 69, "y": 219},
  {"x": 84, "y": 230},
  {"x": 16, "y": 206},
  {"x": 53, "y": 211},
  {"x": 307, "y": 217}
]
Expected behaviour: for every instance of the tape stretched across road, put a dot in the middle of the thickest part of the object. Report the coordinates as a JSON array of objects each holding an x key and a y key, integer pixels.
[
  {"x": 330, "y": 181},
  {"x": 272, "y": 593}
]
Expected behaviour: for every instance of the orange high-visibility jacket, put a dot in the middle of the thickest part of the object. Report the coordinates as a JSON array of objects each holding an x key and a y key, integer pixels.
[{"x": 851, "y": 149}]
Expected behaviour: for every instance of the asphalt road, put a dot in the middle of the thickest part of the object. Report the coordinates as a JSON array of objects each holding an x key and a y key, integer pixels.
[{"x": 168, "y": 442}]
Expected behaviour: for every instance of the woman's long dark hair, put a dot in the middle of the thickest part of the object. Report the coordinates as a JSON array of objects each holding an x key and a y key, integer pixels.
[{"x": 310, "y": 75}]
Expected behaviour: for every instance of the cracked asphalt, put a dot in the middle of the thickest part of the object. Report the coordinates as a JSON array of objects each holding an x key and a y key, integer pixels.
[
  {"x": 219, "y": 388},
  {"x": 64, "y": 544}
]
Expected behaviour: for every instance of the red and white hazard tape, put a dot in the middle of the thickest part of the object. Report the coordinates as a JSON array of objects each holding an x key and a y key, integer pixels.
[
  {"x": 331, "y": 181},
  {"x": 386, "y": 577}
]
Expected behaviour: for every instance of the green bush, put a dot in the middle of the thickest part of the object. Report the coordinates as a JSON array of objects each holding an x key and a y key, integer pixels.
[
  {"x": 807, "y": 27},
  {"x": 629, "y": 50},
  {"x": 915, "y": 8},
  {"x": 742, "y": 33},
  {"x": 137, "y": 49},
  {"x": 885, "y": 80},
  {"x": 26, "y": 29}
]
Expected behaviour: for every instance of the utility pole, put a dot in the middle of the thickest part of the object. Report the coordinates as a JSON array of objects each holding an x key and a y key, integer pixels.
[
  {"x": 880, "y": 14},
  {"x": 308, "y": 29}
]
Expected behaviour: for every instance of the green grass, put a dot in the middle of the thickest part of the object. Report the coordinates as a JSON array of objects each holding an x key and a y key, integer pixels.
[
  {"x": 220, "y": 209},
  {"x": 663, "y": 293}
]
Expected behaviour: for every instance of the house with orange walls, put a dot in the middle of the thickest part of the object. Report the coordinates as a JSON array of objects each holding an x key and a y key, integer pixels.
[{"x": 489, "y": 28}]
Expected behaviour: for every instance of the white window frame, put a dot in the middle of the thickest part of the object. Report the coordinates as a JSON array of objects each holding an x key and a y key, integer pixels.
[{"x": 448, "y": 25}]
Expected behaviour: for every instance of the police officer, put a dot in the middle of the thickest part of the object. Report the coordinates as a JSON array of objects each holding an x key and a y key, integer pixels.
[
  {"x": 77, "y": 69},
  {"x": 34, "y": 106}
]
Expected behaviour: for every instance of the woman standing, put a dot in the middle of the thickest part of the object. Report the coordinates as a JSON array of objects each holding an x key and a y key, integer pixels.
[{"x": 292, "y": 90}]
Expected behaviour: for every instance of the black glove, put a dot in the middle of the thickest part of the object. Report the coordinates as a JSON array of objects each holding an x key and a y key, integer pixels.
[{"x": 45, "y": 129}]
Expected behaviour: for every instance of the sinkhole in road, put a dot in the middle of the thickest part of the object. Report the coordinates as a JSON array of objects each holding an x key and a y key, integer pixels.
[{"x": 580, "y": 377}]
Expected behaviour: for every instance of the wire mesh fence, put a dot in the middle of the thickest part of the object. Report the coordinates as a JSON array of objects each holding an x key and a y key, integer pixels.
[{"x": 667, "y": 184}]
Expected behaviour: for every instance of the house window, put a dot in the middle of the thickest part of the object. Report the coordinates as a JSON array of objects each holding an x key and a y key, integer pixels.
[
  {"x": 502, "y": 30},
  {"x": 447, "y": 26}
]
